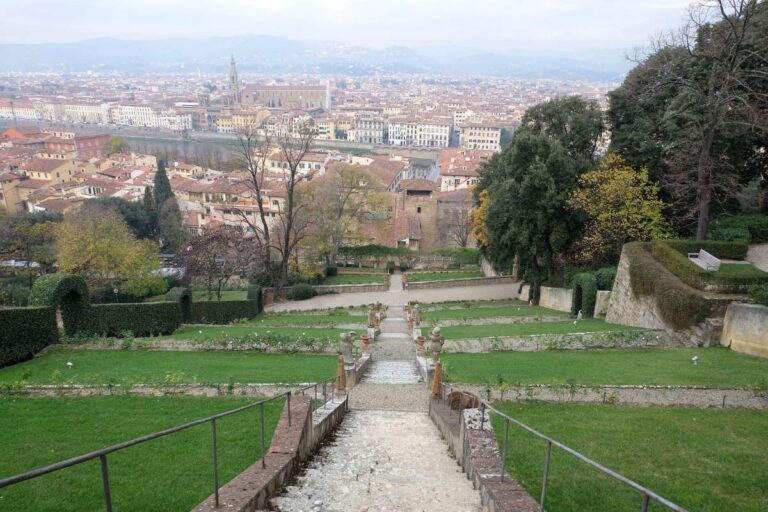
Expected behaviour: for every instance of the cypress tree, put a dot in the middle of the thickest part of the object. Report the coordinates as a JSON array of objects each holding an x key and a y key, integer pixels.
[
  {"x": 163, "y": 190},
  {"x": 149, "y": 207}
]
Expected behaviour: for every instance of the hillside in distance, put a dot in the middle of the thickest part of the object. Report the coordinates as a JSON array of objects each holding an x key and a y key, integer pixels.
[{"x": 269, "y": 54}]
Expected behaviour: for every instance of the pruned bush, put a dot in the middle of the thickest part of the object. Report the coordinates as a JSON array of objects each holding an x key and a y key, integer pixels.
[
  {"x": 24, "y": 332},
  {"x": 69, "y": 292},
  {"x": 390, "y": 267},
  {"x": 141, "y": 319},
  {"x": 756, "y": 225},
  {"x": 300, "y": 292},
  {"x": 760, "y": 295},
  {"x": 182, "y": 296},
  {"x": 254, "y": 293},
  {"x": 679, "y": 306},
  {"x": 717, "y": 248},
  {"x": 19, "y": 296},
  {"x": 729, "y": 234},
  {"x": 331, "y": 271},
  {"x": 605, "y": 278},
  {"x": 584, "y": 294},
  {"x": 223, "y": 312}
]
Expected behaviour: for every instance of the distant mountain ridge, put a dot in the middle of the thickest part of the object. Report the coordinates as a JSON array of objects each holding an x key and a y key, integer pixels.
[{"x": 262, "y": 53}]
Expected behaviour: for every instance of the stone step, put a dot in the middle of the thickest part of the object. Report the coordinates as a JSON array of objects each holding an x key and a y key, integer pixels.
[{"x": 392, "y": 372}]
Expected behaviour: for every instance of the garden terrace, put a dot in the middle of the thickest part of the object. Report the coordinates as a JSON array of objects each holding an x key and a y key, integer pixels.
[
  {"x": 716, "y": 368},
  {"x": 448, "y": 275},
  {"x": 169, "y": 473},
  {"x": 354, "y": 278},
  {"x": 701, "y": 459},
  {"x": 532, "y": 328},
  {"x": 490, "y": 312}
]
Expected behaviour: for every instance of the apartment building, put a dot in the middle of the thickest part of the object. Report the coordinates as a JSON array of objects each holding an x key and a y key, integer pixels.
[
  {"x": 484, "y": 136},
  {"x": 368, "y": 130}
]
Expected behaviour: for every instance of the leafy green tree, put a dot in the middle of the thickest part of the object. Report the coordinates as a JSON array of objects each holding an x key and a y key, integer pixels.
[
  {"x": 134, "y": 214},
  {"x": 30, "y": 237},
  {"x": 170, "y": 226},
  {"x": 162, "y": 190},
  {"x": 150, "y": 210},
  {"x": 117, "y": 144}
]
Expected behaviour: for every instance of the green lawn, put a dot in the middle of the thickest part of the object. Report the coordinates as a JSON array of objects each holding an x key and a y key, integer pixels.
[
  {"x": 718, "y": 367},
  {"x": 414, "y": 277},
  {"x": 472, "y": 304},
  {"x": 169, "y": 473},
  {"x": 277, "y": 320},
  {"x": 218, "y": 332},
  {"x": 739, "y": 270},
  {"x": 202, "y": 295},
  {"x": 460, "y": 332},
  {"x": 490, "y": 312},
  {"x": 354, "y": 279},
  {"x": 702, "y": 459},
  {"x": 156, "y": 367}
]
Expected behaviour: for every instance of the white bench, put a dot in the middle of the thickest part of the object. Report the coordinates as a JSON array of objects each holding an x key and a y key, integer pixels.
[{"x": 705, "y": 260}]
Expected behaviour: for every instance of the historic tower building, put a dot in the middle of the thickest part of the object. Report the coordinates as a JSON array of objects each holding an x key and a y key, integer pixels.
[{"x": 234, "y": 82}]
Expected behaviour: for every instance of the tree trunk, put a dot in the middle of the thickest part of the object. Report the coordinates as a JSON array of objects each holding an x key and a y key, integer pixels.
[{"x": 704, "y": 181}]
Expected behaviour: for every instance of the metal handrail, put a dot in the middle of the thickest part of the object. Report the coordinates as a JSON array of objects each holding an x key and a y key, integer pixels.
[
  {"x": 102, "y": 453},
  {"x": 646, "y": 494}
]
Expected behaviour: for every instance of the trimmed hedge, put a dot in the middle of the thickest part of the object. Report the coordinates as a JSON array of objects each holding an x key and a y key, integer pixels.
[
  {"x": 68, "y": 292},
  {"x": 26, "y": 331},
  {"x": 223, "y": 312},
  {"x": 693, "y": 275},
  {"x": 717, "y": 248},
  {"x": 331, "y": 271},
  {"x": 300, "y": 292},
  {"x": 141, "y": 319},
  {"x": 679, "y": 305},
  {"x": 584, "y": 294},
  {"x": 255, "y": 293},
  {"x": 605, "y": 278},
  {"x": 755, "y": 225},
  {"x": 729, "y": 234},
  {"x": 183, "y": 296}
]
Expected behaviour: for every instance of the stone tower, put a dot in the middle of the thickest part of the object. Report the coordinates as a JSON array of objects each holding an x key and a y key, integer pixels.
[{"x": 234, "y": 82}]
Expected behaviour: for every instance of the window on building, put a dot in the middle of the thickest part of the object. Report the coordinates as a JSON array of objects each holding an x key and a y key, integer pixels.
[{"x": 418, "y": 209}]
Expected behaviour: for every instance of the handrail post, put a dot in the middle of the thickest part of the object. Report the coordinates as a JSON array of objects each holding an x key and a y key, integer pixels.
[
  {"x": 506, "y": 444},
  {"x": 289, "y": 408},
  {"x": 215, "y": 452},
  {"x": 646, "y": 499},
  {"x": 545, "y": 477},
  {"x": 261, "y": 440},
  {"x": 105, "y": 482}
]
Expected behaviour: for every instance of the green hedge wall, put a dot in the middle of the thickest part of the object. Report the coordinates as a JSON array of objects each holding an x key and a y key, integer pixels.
[
  {"x": 254, "y": 293},
  {"x": 755, "y": 225},
  {"x": 584, "y": 294},
  {"x": 679, "y": 305},
  {"x": 67, "y": 292},
  {"x": 693, "y": 275},
  {"x": 141, "y": 319},
  {"x": 183, "y": 296},
  {"x": 223, "y": 312},
  {"x": 717, "y": 248},
  {"x": 24, "y": 332}
]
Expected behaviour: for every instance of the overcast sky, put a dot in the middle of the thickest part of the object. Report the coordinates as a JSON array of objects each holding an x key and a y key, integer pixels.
[{"x": 499, "y": 25}]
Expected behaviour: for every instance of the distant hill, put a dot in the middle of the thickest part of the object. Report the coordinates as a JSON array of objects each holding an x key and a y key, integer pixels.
[{"x": 259, "y": 53}]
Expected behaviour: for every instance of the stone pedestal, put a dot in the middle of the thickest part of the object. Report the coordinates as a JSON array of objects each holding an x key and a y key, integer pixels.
[{"x": 341, "y": 377}]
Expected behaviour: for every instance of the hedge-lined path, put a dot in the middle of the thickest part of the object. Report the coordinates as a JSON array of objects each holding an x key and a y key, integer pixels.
[
  {"x": 382, "y": 460},
  {"x": 758, "y": 256}
]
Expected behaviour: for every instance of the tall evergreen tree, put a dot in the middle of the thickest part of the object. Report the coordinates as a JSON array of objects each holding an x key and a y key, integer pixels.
[
  {"x": 170, "y": 227},
  {"x": 150, "y": 209},
  {"x": 163, "y": 190}
]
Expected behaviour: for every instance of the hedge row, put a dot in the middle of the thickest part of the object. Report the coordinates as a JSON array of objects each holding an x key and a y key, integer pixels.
[
  {"x": 750, "y": 228},
  {"x": 679, "y": 305},
  {"x": 584, "y": 294},
  {"x": 67, "y": 292},
  {"x": 693, "y": 275},
  {"x": 141, "y": 319},
  {"x": 254, "y": 293},
  {"x": 223, "y": 312},
  {"x": 24, "y": 332},
  {"x": 717, "y": 248}
]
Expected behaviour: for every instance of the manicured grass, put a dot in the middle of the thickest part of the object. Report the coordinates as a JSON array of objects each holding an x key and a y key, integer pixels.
[
  {"x": 217, "y": 332},
  {"x": 157, "y": 367},
  {"x": 718, "y": 367},
  {"x": 472, "y": 304},
  {"x": 488, "y": 312},
  {"x": 701, "y": 459},
  {"x": 740, "y": 270},
  {"x": 169, "y": 473},
  {"x": 414, "y": 277},
  {"x": 277, "y": 320},
  {"x": 530, "y": 328},
  {"x": 354, "y": 279},
  {"x": 201, "y": 295}
]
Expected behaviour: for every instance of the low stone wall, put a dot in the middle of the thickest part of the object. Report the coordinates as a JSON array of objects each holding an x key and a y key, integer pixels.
[
  {"x": 174, "y": 345},
  {"x": 525, "y": 292},
  {"x": 498, "y": 320},
  {"x": 350, "y": 288},
  {"x": 291, "y": 446},
  {"x": 453, "y": 283},
  {"x": 477, "y": 452},
  {"x": 487, "y": 268},
  {"x": 558, "y": 299},
  {"x": 601, "y": 303},
  {"x": 211, "y": 390},
  {"x": 745, "y": 329},
  {"x": 571, "y": 341},
  {"x": 662, "y": 396}
]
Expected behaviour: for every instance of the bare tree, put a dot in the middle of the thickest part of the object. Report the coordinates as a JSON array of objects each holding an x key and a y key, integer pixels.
[{"x": 460, "y": 221}]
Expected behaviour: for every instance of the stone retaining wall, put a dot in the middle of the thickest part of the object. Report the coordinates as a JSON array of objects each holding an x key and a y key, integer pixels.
[
  {"x": 680, "y": 396},
  {"x": 211, "y": 390},
  {"x": 350, "y": 288},
  {"x": 558, "y": 299},
  {"x": 745, "y": 329},
  {"x": 453, "y": 283},
  {"x": 290, "y": 447},
  {"x": 477, "y": 452},
  {"x": 174, "y": 345},
  {"x": 573, "y": 341}
]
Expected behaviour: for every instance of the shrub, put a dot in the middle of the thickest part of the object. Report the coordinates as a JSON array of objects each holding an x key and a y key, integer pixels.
[
  {"x": 760, "y": 295},
  {"x": 693, "y": 275},
  {"x": 182, "y": 296},
  {"x": 584, "y": 294},
  {"x": 570, "y": 271},
  {"x": 141, "y": 319},
  {"x": 24, "y": 332},
  {"x": 19, "y": 296},
  {"x": 300, "y": 292},
  {"x": 605, "y": 278},
  {"x": 679, "y": 305},
  {"x": 254, "y": 293},
  {"x": 403, "y": 267},
  {"x": 331, "y": 271},
  {"x": 390, "y": 267},
  {"x": 729, "y": 234},
  {"x": 756, "y": 225},
  {"x": 223, "y": 312},
  {"x": 68, "y": 292},
  {"x": 717, "y": 248}
]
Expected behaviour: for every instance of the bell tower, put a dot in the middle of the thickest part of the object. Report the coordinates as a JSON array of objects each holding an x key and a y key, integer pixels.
[{"x": 234, "y": 82}]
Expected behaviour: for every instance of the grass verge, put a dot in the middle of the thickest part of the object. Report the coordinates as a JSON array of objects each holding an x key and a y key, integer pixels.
[
  {"x": 531, "y": 328},
  {"x": 415, "y": 277},
  {"x": 354, "y": 279},
  {"x": 491, "y": 312}
]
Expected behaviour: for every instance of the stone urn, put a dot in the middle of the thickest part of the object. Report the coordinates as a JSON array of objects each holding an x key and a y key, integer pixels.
[
  {"x": 420, "y": 345},
  {"x": 436, "y": 341}
]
